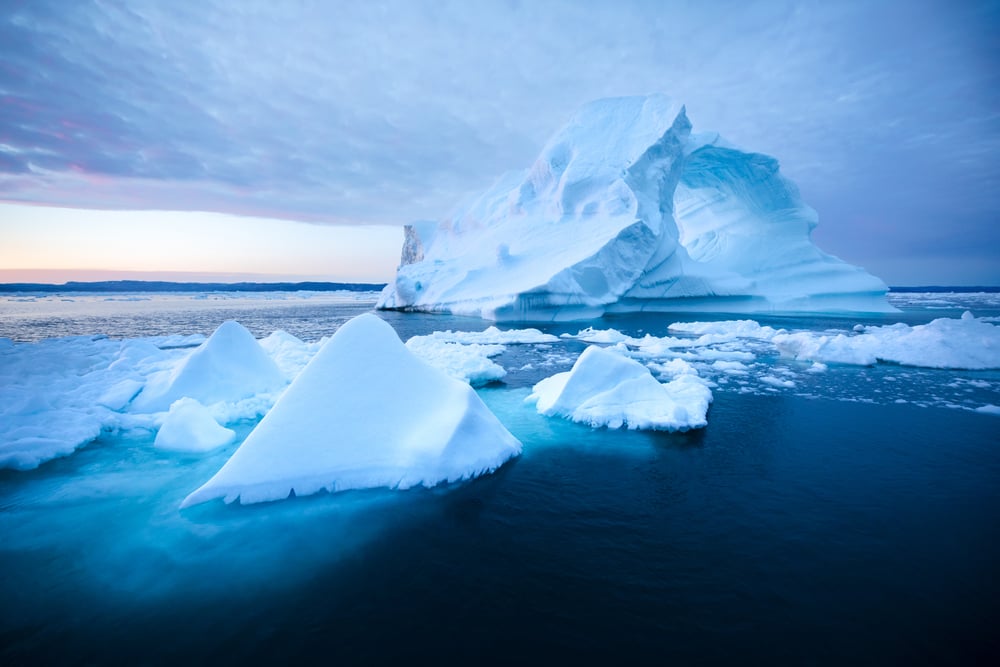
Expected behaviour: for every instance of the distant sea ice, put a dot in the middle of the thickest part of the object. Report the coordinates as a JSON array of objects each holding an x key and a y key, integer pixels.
[{"x": 365, "y": 412}]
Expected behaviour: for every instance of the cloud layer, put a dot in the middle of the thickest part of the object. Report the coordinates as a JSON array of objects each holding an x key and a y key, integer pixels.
[{"x": 887, "y": 115}]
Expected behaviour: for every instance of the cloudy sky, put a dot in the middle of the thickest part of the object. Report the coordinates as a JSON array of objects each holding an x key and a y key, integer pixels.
[{"x": 311, "y": 130}]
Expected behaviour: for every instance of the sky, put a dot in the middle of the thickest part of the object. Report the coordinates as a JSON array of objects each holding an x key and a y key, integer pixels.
[{"x": 293, "y": 139}]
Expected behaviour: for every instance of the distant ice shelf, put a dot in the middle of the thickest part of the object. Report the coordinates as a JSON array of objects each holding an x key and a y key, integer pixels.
[{"x": 626, "y": 210}]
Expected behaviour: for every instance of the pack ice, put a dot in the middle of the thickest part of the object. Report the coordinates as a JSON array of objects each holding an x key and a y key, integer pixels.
[
  {"x": 624, "y": 210},
  {"x": 365, "y": 412}
]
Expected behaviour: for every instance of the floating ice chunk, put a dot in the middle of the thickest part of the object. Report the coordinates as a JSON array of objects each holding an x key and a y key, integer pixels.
[
  {"x": 724, "y": 331},
  {"x": 229, "y": 366},
  {"x": 610, "y": 336},
  {"x": 673, "y": 368},
  {"x": 494, "y": 336},
  {"x": 989, "y": 409},
  {"x": 777, "y": 382},
  {"x": 469, "y": 363},
  {"x": 190, "y": 427},
  {"x": 965, "y": 343},
  {"x": 605, "y": 388},
  {"x": 731, "y": 367},
  {"x": 364, "y": 413}
]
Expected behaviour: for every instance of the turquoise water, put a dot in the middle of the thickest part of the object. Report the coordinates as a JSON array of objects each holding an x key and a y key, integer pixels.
[{"x": 849, "y": 519}]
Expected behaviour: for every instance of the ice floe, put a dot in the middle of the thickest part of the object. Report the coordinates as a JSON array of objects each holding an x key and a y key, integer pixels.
[
  {"x": 605, "y": 388},
  {"x": 397, "y": 422}
]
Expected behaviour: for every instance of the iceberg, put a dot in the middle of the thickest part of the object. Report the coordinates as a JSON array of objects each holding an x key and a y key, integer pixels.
[
  {"x": 229, "y": 366},
  {"x": 627, "y": 210},
  {"x": 605, "y": 388},
  {"x": 190, "y": 427},
  {"x": 365, "y": 412}
]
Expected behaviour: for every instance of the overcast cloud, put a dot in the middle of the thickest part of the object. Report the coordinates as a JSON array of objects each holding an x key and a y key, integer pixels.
[{"x": 887, "y": 115}]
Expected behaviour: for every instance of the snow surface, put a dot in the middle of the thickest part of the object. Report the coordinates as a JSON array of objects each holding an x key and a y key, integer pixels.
[
  {"x": 399, "y": 423},
  {"x": 190, "y": 427},
  {"x": 624, "y": 210},
  {"x": 229, "y": 366},
  {"x": 605, "y": 388}
]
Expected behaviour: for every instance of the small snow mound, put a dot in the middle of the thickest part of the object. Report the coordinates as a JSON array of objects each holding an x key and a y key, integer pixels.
[
  {"x": 364, "y": 413},
  {"x": 229, "y": 366},
  {"x": 190, "y": 427},
  {"x": 605, "y": 388}
]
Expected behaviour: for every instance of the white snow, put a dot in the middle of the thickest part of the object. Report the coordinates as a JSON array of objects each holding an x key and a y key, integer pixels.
[
  {"x": 465, "y": 355},
  {"x": 396, "y": 422},
  {"x": 229, "y": 366},
  {"x": 190, "y": 427},
  {"x": 494, "y": 336},
  {"x": 624, "y": 210},
  {"x": 965, "y": 343},
  {"x": 54, "y": 396},
  {"x": 605, "y": 388}
]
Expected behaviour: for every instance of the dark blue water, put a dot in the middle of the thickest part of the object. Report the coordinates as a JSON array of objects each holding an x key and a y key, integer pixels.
[{"x": 792, "y": 530}]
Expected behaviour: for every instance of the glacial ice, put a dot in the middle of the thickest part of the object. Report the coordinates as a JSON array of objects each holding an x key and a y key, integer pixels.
[
  {"x": 190, "y": 427},
  {"x": 626, "y": 210},
  {"x": 230, "y": 365},
  {"x": 605, "y": 388},
  {"x": 398, "y": 423}
]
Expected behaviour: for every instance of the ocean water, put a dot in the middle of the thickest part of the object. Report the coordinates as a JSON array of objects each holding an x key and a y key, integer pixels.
[{"x": 849, "y": 516}]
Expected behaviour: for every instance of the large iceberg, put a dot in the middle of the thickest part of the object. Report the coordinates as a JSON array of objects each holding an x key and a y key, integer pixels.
[
  {"x": 627, "y": 210},
  {"x": 364, "y": 413}
]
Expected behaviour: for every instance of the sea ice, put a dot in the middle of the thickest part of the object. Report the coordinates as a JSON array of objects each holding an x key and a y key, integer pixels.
[
  {"x": 190, "y": 427},
  {"x": 51, "y": 395},
  {"x": 469, "y": 363},
  {"x": 965, "y": 343},
  {"x": 605, "y": 388},
  {"x": 229, "y": 366},
  {"x": 627, "y": 210},
  {"x": 364, "y": 413}
]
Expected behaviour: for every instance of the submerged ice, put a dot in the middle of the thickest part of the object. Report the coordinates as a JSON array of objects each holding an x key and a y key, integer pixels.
[{"x": 627, "y": 210}]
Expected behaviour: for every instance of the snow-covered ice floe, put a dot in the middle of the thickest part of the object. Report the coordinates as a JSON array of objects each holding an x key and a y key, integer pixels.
[
  {"x": 465, "y": 355},
  {"x": 397, "y": 422},
  {"x": 965, "y": 343},
  {"x": 605, "y": 388},
  {"x": 190, "y": 427},
  {"x": 59, "y": 394},
  {"x": 626, "y": 210}
]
